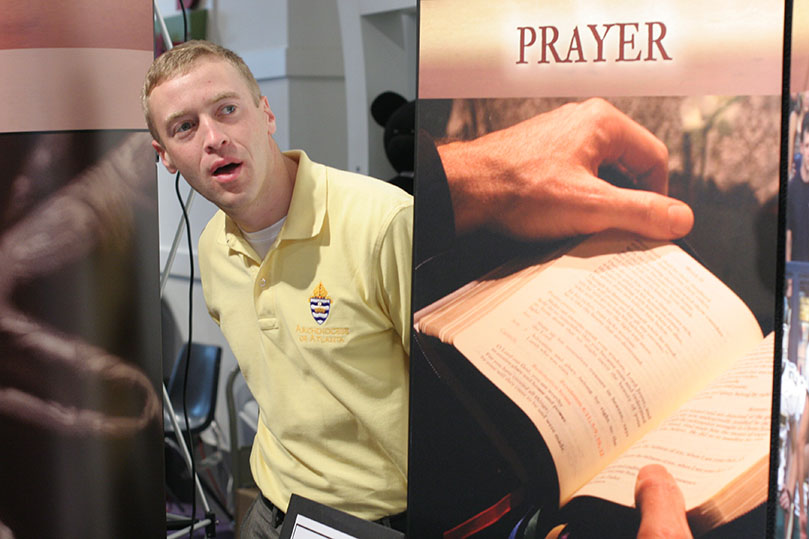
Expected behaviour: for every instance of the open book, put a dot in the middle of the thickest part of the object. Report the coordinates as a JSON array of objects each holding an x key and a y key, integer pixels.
[{"x": 622, "y": 352}]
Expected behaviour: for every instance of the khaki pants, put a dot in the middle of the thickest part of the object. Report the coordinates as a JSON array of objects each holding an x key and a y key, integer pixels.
[{"x": 260, "y": 522}]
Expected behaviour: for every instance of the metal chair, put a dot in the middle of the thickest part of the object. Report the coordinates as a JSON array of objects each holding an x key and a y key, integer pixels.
[
  {"x": 242, "y": 429},
  {"x": 203, "y": 382}
]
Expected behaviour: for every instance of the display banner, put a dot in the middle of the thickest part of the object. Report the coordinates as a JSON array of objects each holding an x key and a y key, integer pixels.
[
  {"x": 526, "y": 48},
  {"x": 82, "y": 444},
  {"x": 595, "y": 264},
  {"x": 790, "y": 484}
]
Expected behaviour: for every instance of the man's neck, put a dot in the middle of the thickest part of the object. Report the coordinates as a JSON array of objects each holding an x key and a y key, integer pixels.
[
  {"x": 803, "y": 172},
  {"x": 276, "y": 200}
]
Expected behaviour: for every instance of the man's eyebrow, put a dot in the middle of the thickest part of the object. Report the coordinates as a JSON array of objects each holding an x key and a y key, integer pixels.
[
  {"x": 223, "y": 95},
  {"x": 218, "y": 97}
]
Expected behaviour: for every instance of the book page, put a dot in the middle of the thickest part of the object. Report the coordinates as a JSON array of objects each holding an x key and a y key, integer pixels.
[
  {"x": 454, "y": 312},
  {"x": 604, "y": 343},
  {"x": 714, "y": 438}
]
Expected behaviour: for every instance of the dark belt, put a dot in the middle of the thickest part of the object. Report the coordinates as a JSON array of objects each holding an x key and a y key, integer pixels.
[
  {"x": 397, "y": 522},
  {"x": 277, "y": 514}
]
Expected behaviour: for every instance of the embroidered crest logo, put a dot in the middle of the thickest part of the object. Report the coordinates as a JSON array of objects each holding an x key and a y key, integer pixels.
[{"x": 320, "y": 304}]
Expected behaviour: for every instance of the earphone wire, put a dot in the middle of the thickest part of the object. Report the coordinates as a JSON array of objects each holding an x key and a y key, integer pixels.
[{"x": 190, "y": 323}]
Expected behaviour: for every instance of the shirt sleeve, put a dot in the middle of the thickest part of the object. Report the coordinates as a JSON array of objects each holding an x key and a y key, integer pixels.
[
  {"x": 204, "y": 250},
  {"x": 395, "y": 268}
]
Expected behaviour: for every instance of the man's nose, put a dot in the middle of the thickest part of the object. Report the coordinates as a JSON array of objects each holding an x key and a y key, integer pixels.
[{"x": 215, "y": 136}]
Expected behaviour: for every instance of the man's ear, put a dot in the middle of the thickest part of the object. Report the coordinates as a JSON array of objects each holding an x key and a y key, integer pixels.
[
  {"x": 164, "y": 156},
  {"x": 265, "y": 107}
]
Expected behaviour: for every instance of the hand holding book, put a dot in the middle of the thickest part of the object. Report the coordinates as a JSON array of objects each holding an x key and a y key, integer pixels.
[{"x": 622, "y": 352}]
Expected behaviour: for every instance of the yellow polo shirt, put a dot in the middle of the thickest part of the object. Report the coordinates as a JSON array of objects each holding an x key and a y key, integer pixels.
[{"x": 321, "y": 331}]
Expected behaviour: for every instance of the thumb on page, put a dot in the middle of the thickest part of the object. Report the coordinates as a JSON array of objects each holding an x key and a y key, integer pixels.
[
  {"x": 661, "y": 505},
  {"x": 649, "y": 214}
]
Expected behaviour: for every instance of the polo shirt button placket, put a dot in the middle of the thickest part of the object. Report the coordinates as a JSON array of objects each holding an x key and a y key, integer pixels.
[{"x": 267, "y": 320}]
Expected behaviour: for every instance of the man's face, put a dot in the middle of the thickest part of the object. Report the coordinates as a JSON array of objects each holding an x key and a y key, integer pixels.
[{"x": 212, "y": 131}]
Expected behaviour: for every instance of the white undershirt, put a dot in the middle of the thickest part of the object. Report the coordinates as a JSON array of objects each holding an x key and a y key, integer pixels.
[{"x": 262, "y": 240}]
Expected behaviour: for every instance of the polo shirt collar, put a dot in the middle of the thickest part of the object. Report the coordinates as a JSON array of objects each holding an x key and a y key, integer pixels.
[
  {"x": 307, "y": 209},
  {"x": 233, "y": 238}
]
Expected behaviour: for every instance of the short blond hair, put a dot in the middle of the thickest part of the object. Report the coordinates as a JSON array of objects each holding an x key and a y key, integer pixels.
[{"x": 179, "y": 61}]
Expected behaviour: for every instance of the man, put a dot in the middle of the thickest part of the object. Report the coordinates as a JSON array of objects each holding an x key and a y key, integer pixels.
[
  {"x": 798, "y": 199},
  {"x": 307, "y": 271},
  {"x": 797, "y": 237}
]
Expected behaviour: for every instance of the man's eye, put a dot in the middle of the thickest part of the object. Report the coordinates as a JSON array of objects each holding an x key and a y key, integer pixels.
[
  {"x": 182, "y": 127},
  {"x": 229, "y": 109}
]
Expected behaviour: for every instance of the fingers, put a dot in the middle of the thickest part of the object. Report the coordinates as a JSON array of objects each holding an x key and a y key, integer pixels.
[
  {"x": 588, "y": 205},
  {"x": 649, "y": 214},
  {"x": 629, "y": 146},
  {"x": 642, "y": 157},
  {"x": 661, "y": 505},
  {"x": 537, "y": 179}
]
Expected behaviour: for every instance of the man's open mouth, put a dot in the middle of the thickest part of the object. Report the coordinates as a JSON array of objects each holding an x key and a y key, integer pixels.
[{"x": 226, "y": 169}]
